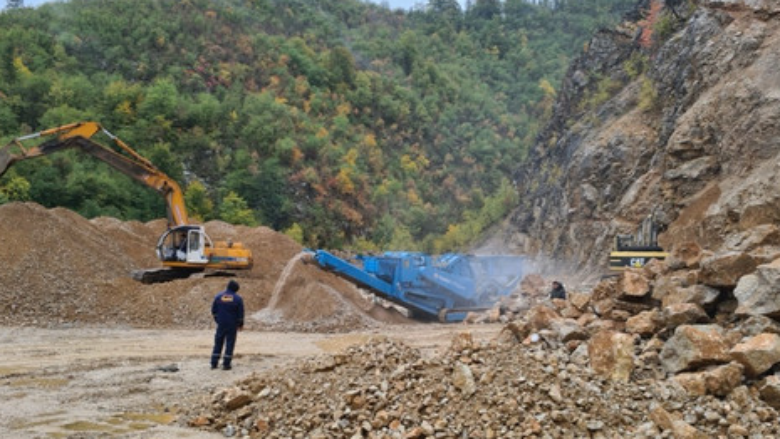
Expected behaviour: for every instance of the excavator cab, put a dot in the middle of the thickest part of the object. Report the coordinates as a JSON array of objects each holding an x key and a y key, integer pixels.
[{"x": 183, "y": 244}]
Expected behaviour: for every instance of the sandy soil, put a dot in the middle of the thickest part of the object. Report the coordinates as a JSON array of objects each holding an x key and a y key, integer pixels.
[{"x": 130, "y": 383}]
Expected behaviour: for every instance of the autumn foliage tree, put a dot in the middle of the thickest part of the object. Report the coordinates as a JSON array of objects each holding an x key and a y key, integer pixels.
[{"x": 339, "y": 121}]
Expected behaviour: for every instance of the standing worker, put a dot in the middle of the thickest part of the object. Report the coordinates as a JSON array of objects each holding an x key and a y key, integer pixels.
[
  {"x": 228, "y": 312},
  {"x": 557, "y": 292}
]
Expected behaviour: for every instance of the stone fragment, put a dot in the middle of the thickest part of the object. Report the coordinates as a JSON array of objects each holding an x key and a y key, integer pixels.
[
  {"x": 685, "y": 255},
  {"x": 669, "y": 422},
  {"x": 736, "y": 430},
  {"x": 665, "y": 286},
  {"x": 694, "y": 346},
  {"x": 612, "y": 355},
  {"x": 604, "y": 325},
  {"x": 540, "y": 317},
  {"x": 693, "y": 382},
  {"x": 722, "y": 380},
  {"x": 262, "y": 425},
  {"x": 463, "y": 341},
  {"x": 579, "y": 300},
  {"x": 724, "y": 270},
  {"x": 463, "y": 379},
  {"x": 238, "y": 402},
  {"x": 604, "y": 307},
  {"x": 683, "y": 314},
  {"x": 758, "y": 324},
  {"x": 635, "y": 284},
  {"x": 514, "y": 332},
  {"x": 683, "y": 430},
  {"x": 645, "y": 323},
  {"x": 759, "y": 293},
  {"x": 199, "y": 421},
  {"x": 606, "y": 289},
  {"x": 655, "y": 268},
  {"x": 699, "y": 294},
  {"x": 413, "y": 433},
  {"x": 758, "y": 354},
  {"x": 568, "y": 329},
  {"x": 770, "y": 390},
  {"x": 662, "y": 418},
  {"x": 586, "y": 319}
]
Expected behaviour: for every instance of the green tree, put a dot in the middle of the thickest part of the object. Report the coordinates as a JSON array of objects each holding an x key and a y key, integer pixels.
[
  {"x": 17, "y": 189},
  {"x": 198, "y": 202},
  {"x": 161, "y": 100},
  {"x": 408, "y": 51},
  {"x": 295, "y": 231},
  {"x": 341, "y": 66},
  {"x": 234, "y": 210}
]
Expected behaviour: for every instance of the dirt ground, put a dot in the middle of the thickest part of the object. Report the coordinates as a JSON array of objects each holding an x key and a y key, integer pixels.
[{"x": 130, "y": 383}]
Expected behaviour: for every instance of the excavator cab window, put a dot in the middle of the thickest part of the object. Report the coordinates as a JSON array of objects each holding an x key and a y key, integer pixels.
[{"x": 196, "y": 241}]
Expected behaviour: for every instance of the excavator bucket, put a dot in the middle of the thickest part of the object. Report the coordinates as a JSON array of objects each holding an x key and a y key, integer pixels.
[{"x": 5, "y": 160}]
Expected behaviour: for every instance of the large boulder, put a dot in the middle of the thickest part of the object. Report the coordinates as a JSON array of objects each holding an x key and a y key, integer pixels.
[
  {"x": 611, "y": 355},
  {"x": 645, "y": 323},
  {"x": 635, "y": 285},
  {"x": 724, "y": 270},
  {"x": 540, "y": 317},
  {"x": 716, "y": 380},
  {"x": 580, "y": 301},
  {"x": 721, "y": 380},
  {"x": 694, "y": 346},
  {"x": 685, "y": 255},
  {"x": 758, "y": 354},
  {"x": 699, "y": 294},
  {"x": 759, "y": 293},
  {"x": 568, "y": 329},
  {"x": 683, "y": 314}
]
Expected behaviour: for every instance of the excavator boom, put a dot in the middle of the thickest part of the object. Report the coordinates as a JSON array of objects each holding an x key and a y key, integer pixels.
[
  {"x": 79, "y": 136},
  {"x": 184, "y": 248}
]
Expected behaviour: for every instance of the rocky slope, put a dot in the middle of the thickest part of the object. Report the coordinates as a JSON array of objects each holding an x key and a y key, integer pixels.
[{"x": 685, "y": 127}]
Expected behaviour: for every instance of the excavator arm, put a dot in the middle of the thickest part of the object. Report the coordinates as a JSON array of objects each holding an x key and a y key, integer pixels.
[
  {"x": 79, "y": 135},
  {"x": 184, "y": 248}
]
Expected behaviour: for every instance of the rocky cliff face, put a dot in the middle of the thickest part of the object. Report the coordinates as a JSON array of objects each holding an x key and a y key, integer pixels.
[{"x": 684, "y": 126}]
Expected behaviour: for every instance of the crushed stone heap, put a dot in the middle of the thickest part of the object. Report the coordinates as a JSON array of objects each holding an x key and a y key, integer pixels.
[
  {"x": 60, "y": 269},
  {"x": 501, "y": 389}
]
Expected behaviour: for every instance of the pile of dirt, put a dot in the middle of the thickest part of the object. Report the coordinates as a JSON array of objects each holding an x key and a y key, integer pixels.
[{"x": 62, "y": 269}]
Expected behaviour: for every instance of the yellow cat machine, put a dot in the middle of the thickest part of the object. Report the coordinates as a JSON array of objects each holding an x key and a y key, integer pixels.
[
  {"x": 634, "y": 251},
  {"x": 184, "y": 248}
]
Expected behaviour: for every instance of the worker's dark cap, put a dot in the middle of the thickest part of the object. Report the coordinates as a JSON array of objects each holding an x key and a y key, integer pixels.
[{"x": 233, "y": 286}]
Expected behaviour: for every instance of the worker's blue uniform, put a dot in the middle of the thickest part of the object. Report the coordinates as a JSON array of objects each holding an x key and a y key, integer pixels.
[{"x": 228, "y": 312}]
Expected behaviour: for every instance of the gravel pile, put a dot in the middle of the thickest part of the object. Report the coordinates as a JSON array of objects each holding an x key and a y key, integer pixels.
[
  {"x": 60, "y": 270},
  {"x": 501, "y": 389}
]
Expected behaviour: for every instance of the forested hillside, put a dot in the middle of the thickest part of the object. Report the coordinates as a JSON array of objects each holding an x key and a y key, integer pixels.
[{"x": 339, "y": 122}]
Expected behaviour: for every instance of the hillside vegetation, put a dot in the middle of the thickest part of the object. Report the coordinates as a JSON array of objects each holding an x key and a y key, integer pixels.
[{"x": 339, "y": 122}]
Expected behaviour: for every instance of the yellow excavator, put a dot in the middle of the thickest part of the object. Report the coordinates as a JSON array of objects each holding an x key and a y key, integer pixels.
[
  {"x": 634, "y": 251},
  {"x": 184, "y": 248}
]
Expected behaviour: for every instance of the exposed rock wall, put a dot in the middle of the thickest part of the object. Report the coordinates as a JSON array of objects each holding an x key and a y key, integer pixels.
[{"x": 694, "y": 139}]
